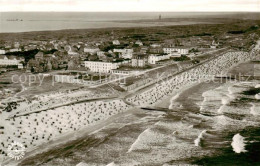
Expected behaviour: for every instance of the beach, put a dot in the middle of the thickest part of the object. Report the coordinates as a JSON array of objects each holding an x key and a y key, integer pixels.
[{"x": 181, "y": 129}]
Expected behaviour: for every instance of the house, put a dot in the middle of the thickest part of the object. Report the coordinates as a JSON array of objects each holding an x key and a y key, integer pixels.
[
  {"x": 124, "y": 53},
  {"x": 91, "y": 50},
  {"x": 138, "y": 42},
  {"x": 71, "y": 50},
  {"x": 139, "y": 61},
  {"x": 153, "y": 58},
  {"x": 143, "y": 50},
  {"x": 16, "y": 44},
  {"x": 11, "y": 61},
  {"x": 155, "y": 45},
  {"x": 101, "y": 67},
  {"x": 101, "y": 55},
  {"x": 176, "y": 51},
  {"x": 116, "y": 42},
  {"x": 39, "y": 56},
  {"x": 2, "y": 52},
  {"x": 15, "y": 50}
]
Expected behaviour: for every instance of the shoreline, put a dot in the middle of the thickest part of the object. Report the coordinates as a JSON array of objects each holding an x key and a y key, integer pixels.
[
  {"x": 74, "y": 136},
  {"x": 122, "y": 24},
  {"x": 62, "y": 141},
  {"x": 116, "y": 27}
]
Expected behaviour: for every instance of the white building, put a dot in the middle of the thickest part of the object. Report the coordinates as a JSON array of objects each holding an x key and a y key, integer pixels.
[
  {"x": 102, "y": 67},
  {"x": 155, "y": 45},
  {"x": 11, "y": 61},
  {"x": 101, "y": 53},
  {"x": 15, "y": 50},
  {"x": 176, "y": 51},
  {"x": 91, "y": 50},
  {"x": 125, "y": 53},
  {"x": 153, "y": 58},
  {"x": 2, "y": 52},
  {"x": 116, "y": 42},
  {"x": 138, "y": 42},
  {"x": 139, "y": 61}
]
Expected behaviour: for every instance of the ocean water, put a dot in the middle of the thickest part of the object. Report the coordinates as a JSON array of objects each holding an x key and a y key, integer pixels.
[{"x": 44, "y": 21}]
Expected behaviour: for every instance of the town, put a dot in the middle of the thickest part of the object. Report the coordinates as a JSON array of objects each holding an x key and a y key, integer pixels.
[{"x": 56, "y": 83}]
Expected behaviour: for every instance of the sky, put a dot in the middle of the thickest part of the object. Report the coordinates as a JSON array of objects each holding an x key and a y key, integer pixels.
[{"x": 130, "y": 5}]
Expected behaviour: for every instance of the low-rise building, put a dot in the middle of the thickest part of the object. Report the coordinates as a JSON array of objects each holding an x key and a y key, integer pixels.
[
  {"x": 176, "y": 51},
  {"x": 153, "y": 58},
  {"x": 139, "y": 61},
  {"x": 15, "y": 50},
  {"x": 138, "y": 42},
  {"x": 155, "y": 45},
  {"x": 2, "y": 52},
  {"x": 39, "y": 56},
  {"x": 102, "y": 67},
  {"x": 11, "y": 61},
  {"x": 91, "y": 50},
  {"x": 125, "y": 53},
  {"x": 116, "y": 42}
]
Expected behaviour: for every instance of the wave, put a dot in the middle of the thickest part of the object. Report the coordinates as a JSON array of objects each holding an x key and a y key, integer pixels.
[
  {"x": 138, "y": 140},
  {"x": 82, "y": 164},
  {"x": 257, "y": 96},
  {"x": 221, "y": 109},
  {"x": 238, "y": 143},
  {"x": 173, "y": 99},
  {"x": 197, "y": 141},
  {"x": 111, "y": 164}
]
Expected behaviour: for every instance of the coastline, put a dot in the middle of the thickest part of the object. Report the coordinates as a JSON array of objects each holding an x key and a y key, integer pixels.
[
  {"x": 62, "y": 140},
  {"x": 107, "y": 25}
]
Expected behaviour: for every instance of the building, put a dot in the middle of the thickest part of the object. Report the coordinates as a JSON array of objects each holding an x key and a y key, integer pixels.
[
  {"x": 153, "y": 58},
  {"x": 11, "y": 61},
  {"x": 116, "y": 42},
  {"x": 125, "y": 53},
  {"x": 16, "y": 44},
  {"x": 15, "y": 50},
  {"x": 138, "y": 42},
  {"x": 139, "y": 61},
  {"x": 91, "y": 50},
  {"x": 155, "y": 45},
  {"x": 2, "y": 52},
  {"x": 175, "y": 51},
  {"x": 102, "y": 67},
  {"x": 39, "y": 56}
]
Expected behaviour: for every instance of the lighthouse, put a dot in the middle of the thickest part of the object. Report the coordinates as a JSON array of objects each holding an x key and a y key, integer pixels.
[{"x": 160, "y": 17}]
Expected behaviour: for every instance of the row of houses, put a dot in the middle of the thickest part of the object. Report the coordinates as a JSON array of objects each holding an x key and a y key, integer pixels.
[{"x": 11, "y": 61}]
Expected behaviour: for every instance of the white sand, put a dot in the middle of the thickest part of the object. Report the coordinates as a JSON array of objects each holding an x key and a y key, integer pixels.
[{"x": 34, "y": 129}]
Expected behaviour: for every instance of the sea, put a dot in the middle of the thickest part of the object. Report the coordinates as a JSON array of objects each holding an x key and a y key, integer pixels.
[{"x": 48, "y": 21}]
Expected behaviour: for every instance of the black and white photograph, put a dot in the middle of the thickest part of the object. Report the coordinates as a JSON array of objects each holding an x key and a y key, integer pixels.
[{"x": 129, "y": 82}]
